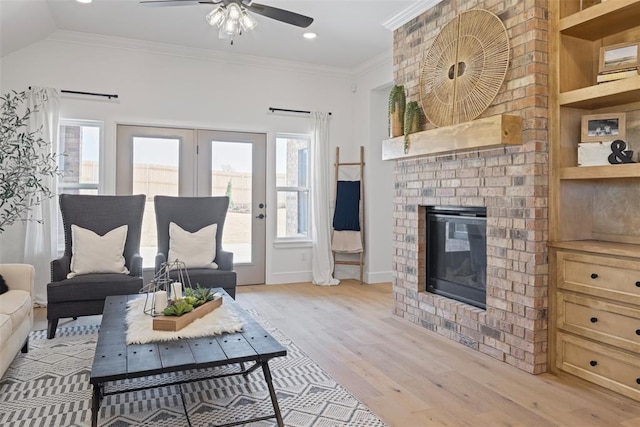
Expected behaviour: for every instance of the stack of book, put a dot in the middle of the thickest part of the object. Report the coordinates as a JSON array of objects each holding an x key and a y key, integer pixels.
[{"x": 617, "y": 75}]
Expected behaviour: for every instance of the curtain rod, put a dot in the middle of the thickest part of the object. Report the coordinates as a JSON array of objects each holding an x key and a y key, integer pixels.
[
  {"x": 75, "y": 92},
  {"x": 272, "y": 109}
]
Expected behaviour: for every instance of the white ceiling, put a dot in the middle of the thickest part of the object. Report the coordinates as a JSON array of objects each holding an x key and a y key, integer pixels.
[{"x": 350, "y": 32}]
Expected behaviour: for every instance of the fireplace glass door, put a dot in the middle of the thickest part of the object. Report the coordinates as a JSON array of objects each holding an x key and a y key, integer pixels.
[{"x": 457, "y": 253}]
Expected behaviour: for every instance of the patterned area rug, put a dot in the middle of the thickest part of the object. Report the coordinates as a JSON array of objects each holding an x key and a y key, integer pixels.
[{"x": 49, "y": 386}]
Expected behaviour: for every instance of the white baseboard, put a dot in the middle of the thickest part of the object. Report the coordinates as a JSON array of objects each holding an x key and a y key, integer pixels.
[
  {"x": 289, "y": 277},
  {"x": 378, "y": 277},
  {"x": 353, "y": 272},
  {"x": 305, "y": 276}
]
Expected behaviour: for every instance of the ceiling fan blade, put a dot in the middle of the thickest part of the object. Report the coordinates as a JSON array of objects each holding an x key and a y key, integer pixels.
[
  {"x": 164, "y": 3},
  {"x": 280, "y": 15}
]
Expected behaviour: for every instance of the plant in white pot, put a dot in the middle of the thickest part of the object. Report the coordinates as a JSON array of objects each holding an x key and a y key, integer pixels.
[{"x": 23, "y": 165}]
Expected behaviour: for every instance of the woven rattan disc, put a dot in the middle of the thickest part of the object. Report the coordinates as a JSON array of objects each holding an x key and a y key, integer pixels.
[{"x": 464, "y": 68}]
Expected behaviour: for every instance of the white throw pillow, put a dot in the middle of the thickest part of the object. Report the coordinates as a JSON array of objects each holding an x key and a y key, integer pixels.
[
  {"x": 92, "y": 253},
  {"x": 196, "y": 250}
]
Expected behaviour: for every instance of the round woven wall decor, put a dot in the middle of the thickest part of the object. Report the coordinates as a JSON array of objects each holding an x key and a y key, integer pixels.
[{"x": 464, "y": 68}]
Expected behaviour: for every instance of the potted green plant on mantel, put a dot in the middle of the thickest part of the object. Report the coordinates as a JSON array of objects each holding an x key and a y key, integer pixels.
[
  {"x": 22, "y": 164},
  {"x": 412, "y": 114},
  {"x": 397, "y": 102}
]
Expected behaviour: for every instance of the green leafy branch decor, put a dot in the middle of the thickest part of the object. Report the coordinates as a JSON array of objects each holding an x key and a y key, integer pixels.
[
  {"x": 178, "y": 308},
  {"x": 193, "y": 298},
  {"x": 412, "y": 115},
  {"x": 397, "y": 102},
  {"x": 22, "y": 165}
]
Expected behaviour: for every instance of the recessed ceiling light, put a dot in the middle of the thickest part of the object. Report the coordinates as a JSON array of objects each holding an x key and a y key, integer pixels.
[
  {"x": 84, "y": 1},
  {"x": 309, "y": 35}
]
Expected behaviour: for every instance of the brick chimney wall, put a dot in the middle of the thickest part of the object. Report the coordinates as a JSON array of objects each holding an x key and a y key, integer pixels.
[{"x": 510, "y": 182}]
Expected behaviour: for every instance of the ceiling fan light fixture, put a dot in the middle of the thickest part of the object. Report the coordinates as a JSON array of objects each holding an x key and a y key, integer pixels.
[
  {"x": 247, "y": 21},
  {"x": 231, "y": 27},
  {"x": 233, "y": 11},
  {"x": 216, "y": 16}
]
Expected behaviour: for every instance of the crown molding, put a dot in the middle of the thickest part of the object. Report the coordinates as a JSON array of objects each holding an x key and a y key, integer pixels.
[
  {"x": 409, "y": 13},
  {"x": 73, "y": 37},
  {"x": 377, "y": 61}
]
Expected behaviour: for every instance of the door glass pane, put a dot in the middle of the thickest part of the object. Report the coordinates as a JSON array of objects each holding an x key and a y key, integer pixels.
[
  {"x": 155, "y": 172},
  {"x": 231, "y": 175}
]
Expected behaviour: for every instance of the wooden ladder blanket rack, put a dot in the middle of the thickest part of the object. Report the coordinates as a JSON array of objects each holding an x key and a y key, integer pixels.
[{"x": 360, "y": 225}]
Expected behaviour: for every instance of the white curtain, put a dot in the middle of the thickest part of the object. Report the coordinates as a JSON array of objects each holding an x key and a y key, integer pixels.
[
  {"x": 321, "y": 257},
  {"x": 41, "y": 231}
]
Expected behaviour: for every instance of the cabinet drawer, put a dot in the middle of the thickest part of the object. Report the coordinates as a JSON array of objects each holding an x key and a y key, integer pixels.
[
  {"x": 599, "y": 275},
  {"x": 600, "y": 364},
  {"x": 603, "y": 321}
]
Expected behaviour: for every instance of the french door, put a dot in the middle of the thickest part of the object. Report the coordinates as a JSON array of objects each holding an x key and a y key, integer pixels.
[{"x": 191, "y": 162}]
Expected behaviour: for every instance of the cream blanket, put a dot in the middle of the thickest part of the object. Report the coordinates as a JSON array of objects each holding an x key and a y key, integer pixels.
[
  {"x": 140, "y": 326},
  {"x": 346, "y": 241}
]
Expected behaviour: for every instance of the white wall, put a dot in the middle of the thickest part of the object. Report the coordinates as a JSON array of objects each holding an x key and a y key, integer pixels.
[
  {"x": 163, "y": 85},
  {"x": 371, "y": 109}
]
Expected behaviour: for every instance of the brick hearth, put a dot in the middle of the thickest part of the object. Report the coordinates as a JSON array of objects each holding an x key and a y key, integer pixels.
[{"x": 510, "y": 182}]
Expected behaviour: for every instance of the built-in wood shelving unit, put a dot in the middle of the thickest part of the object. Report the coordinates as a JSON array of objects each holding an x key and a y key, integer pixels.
[
  {"x": 594, "y": 211},
  {"x": 600, "y": 247},
  {"x": 618, "y": 92},
  {"x": 628, "y": 170},
  {"x": 601, "y": 20}
]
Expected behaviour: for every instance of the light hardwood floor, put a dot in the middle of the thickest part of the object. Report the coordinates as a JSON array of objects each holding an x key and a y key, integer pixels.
[{"x": 410, "y": 376}]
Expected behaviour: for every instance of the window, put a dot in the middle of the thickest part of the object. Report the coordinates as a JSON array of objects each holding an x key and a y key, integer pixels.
[
  {"x": 79, "y": 145},
  {"x": 292, "y": 186}
]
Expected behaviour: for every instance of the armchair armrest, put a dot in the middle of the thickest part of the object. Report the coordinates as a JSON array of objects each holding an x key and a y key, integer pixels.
[
  {"x": 60, "y": 268},
  {"x": 19, "y": 276},
  {"x": 160, "y": 259},
  {"x": 224, "y": 260},
  {"x": 136, "y": 265}
]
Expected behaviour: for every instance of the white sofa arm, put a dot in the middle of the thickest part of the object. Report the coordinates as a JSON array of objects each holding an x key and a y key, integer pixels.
[{"x": 19, "y": 276}]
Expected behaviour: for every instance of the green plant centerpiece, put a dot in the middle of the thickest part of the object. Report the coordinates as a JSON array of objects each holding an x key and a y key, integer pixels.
[
  {"x": 23, "y": 165},
  {"x": 397, "y": 102},
  {"x": 412, "y": 115},
  {"x": 193, "y": 298}
]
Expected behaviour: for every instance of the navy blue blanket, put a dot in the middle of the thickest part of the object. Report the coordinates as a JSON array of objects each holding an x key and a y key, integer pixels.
[{"x": 347, "y": 213}]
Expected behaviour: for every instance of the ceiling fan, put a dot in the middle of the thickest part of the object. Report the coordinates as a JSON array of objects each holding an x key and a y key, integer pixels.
[{"x": 229, "y": 7}]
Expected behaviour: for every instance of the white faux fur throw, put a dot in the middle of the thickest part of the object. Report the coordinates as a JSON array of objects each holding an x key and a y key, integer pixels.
[{"x": 140, "y": 326}]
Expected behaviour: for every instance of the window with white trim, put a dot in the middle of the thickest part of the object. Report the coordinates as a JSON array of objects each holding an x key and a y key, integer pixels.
[{"x": 293, "y": 186}]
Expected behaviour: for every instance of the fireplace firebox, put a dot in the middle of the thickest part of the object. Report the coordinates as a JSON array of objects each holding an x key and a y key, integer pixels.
[{"x": 457, "y": 253}]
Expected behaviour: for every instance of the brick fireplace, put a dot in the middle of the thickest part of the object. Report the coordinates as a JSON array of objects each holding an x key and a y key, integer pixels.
[{"x": 511, "y": 183}]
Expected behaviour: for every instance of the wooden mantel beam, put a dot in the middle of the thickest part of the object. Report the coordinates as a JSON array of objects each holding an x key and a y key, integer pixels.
[{"x": 489, "y": 132}]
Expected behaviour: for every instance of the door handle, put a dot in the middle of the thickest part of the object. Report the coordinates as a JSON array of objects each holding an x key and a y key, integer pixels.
[{"x": 261, "y": 216}]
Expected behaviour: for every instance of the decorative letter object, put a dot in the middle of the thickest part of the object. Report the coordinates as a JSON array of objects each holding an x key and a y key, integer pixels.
[{"x": 619, "y": 154}]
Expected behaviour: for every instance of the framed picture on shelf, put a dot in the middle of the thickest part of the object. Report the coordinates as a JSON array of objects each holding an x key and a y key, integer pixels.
[
  {"x": 620, "y": 56},
  {"x": 603, "y": 127}
]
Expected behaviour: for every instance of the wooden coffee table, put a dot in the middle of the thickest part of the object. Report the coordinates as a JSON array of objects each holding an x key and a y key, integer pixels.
[{"x": 114, "y": 360}]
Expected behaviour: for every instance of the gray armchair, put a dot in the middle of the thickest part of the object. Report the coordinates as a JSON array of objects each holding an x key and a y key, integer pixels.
[
  {"x": 191, "y": 214},
  {"x": 84, "y": 295}
]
